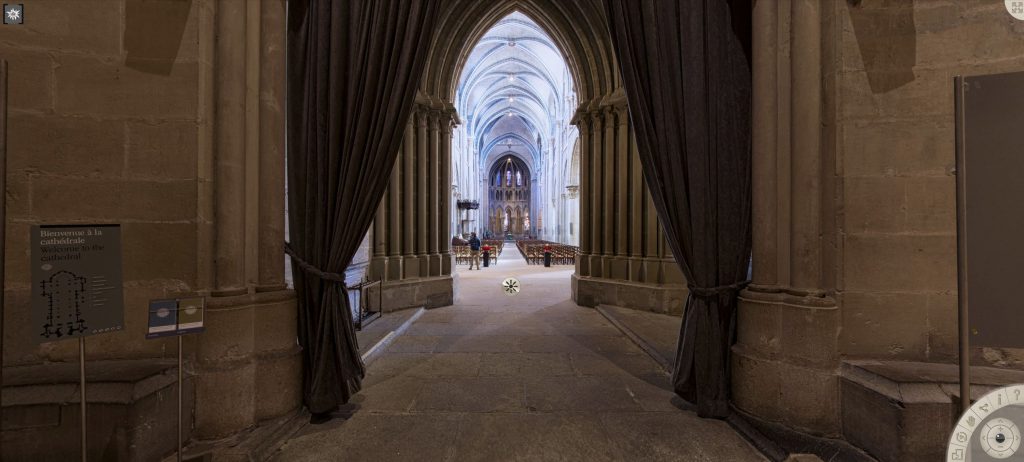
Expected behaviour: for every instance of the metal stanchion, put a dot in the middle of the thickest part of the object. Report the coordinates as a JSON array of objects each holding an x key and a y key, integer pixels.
[
  {"x": 81, "y": 397},
  {"x": 180, "y": 386},
  {"x": 3, "y": 218},
  {"x": 961, "y": 238}
]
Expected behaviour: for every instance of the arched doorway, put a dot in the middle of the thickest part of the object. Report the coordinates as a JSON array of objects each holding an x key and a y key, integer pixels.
[{"x": 621, "y": 245}]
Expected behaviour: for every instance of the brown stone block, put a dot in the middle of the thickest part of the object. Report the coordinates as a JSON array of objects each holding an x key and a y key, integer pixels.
[
  {"x": 229, "y": 335},
  {"x": 76, "y": 199},
  {"x": 19, "y": 195},
  {"x": 278, "y": 385},
  {"x": 900, "y": 262},
  {"x": 948, "y": 37},
  {"x": 275, "y": 326},
  {"x": 225, "y": 400},
  {"x": 75, "y": 25},
  {"x": 892, "y": 326},
  {"x": 943, "y": 340},
  {"x": 18, "y": 254},
  {"x": 165, "y": 150},
  {"x": 758, "y": 327},
  {"x": 931, "y": 205},
  {"x": 755, "y": 385},
  {"x": 158, "y": 33},
  {"x": 809, "y": 399},
  {"x": 919, "y": 147},
  {"x": 924, "y": 93},
  {"x": 810, "y": 334},
  {"x": 159, "y": 251},
  {"x": 66, "y": 145},
  {"x": 20, "y": 333},
  {"x": 105, "y": 87},
  {"x": 875, "y": 204},
  {"x": 29, "y": 79},
  {"x": 159, "y": 200},
  {"x": 673, "y": 275}
]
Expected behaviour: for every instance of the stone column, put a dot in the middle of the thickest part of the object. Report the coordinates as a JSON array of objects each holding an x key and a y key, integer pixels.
[
  {"x": 608, "y": 189},
  {"x": 230, "y": 132},
  {"x": 271, "y": 147},
  {"x": 596, "y": 198},
  {"x": 422, "y": 170},
  {"x": 396, "y": 237},
  {"x": 787, "y": 322},
  {"x": 435, "y": 190},
  {"x": 410, "y": 265},
  {"x": 418, "y": 215},
  {"x": 805, "y": 265},
  {"x": 637, "y": 195},
  {"x": 584, "y": 121},
  {"x": 625, "y": 264},
  {"x": 445, "y": 191}
]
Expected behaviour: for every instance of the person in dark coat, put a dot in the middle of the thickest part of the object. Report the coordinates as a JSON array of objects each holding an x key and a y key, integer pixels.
[{"x": 474, "y": 251}]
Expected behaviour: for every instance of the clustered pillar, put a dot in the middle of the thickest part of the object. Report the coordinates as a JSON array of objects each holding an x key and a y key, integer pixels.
[
  {"x": 412, "y": 252},
  {"x": 247, "y": 365},
  {"x": 624, "y": 259},
  {"x": 790, "y": 283}
]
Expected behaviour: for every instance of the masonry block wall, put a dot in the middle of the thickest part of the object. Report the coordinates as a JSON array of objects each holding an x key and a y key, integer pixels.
[
  {"x": 164, "y": 116},
  {"x": 854, "y": 194}
]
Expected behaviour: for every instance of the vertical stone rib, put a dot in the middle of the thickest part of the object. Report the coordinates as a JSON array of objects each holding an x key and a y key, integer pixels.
[
  {"x": 586, "y": 190},
  {"x": 805, "y": 267},
  {"x": 445, "y": 192},
  {"x": 271, "y": 140},
  {"x": 636, "y": 209},
  {"x": 229, "y": 186},
  {"x": 765, "y": 134},
  {"x": 394, "y": 236},
  {"x": 406, "y": 196},
  {"x": 596, "y": 177},
  {"x": 623, "y": 217},
  {"x": 421, "y": 181},
  {"x": 608, "y": 198},
  {"x": 433, "y": 192}
]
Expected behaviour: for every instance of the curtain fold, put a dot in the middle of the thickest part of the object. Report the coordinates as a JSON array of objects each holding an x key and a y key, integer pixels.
[
  {"x": 353, "y": 70},
  {"x": 685, "y": 67}
]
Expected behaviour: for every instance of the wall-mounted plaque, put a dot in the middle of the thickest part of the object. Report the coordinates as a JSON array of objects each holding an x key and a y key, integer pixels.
[{"x": 76, "y": 281}]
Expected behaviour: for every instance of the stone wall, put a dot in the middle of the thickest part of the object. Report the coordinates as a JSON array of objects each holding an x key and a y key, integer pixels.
[
  {"x": 895, "y": 144},
  {"x": 103, "y": 128},
  {"x": 165, "y": 116},
  {"x": 854, "y": 199}
]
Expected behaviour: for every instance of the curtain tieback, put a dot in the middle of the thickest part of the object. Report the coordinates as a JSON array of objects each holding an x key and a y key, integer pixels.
[
  {"x": 310, "y": 269},
  {"x": 718, "y": 290}
]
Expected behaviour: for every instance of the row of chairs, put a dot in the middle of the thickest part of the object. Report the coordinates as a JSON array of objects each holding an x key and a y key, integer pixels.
[
  {"x": 561, "y": 254},
  {"x": 463, "y": 256}
]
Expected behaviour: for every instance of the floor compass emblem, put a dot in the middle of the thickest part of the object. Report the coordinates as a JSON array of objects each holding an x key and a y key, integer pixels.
[{"x": 511, "y": 286}]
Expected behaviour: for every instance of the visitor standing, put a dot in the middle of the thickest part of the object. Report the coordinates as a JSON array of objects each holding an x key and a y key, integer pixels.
[{"x": 474, "y": 251}]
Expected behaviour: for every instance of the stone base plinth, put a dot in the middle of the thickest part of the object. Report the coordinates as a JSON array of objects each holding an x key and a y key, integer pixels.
[
  {"x": 131, "y": 410},
  {"x": 429, "y": 292},
  {"x": 657, "y": 298},
  {"x": 785, "y": 360},
  {"x": 248, "y": 366}
]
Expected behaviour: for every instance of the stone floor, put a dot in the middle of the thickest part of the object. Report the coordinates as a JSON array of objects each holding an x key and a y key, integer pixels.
[{"x": 524, "y": 377}]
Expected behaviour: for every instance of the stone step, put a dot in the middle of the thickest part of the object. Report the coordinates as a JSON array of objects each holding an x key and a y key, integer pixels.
[{"x": 901, "y": 411}]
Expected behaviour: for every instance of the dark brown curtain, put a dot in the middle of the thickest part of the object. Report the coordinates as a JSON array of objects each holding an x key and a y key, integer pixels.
[
  {"x": 353, "y": 70},
  {"x": 686, "y": 70}
]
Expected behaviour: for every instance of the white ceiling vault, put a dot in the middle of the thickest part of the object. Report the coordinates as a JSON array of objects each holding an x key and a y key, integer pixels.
[{"x": 511, "y": 87}]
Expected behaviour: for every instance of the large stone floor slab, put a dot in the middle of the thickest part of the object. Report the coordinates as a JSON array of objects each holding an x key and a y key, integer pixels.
[{"x": 524, "y": 377}]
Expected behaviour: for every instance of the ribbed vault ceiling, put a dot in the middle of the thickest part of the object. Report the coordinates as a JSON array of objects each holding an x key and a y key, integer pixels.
[{"x": 512, "y": 78}]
